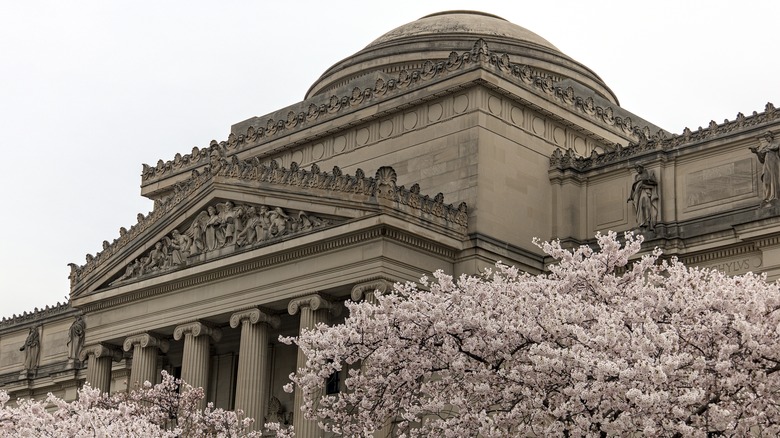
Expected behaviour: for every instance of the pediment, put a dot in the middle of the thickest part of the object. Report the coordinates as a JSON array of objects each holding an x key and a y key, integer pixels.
[{"x": 236, "y": 207}]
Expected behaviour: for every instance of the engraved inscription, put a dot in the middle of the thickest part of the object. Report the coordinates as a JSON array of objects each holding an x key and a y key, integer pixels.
[
  {"x": 737, "y": 266},
  {"x": 720, "y": 182}
]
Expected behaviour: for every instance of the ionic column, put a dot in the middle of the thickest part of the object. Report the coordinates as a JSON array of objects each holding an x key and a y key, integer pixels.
[
  {"x": 366, "y": 291},
  {"x": 99, "y": 357},
  {"x": 145, "y": 348},
  {"x": 314, "y": 309},
  {"x": 252, "y": 391},
  {"x": 196, "y": 358}
]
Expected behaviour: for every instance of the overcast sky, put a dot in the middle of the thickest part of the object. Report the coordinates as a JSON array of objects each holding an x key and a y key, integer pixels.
[{"x": 89, "y": 90}]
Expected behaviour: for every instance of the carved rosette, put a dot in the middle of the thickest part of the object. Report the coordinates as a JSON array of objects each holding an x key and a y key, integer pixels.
[
  {"x": 359, "y": 291},
  {"x": 313, "y": 302},
  {"x": 254, "y": 316},
  {"x": 101, "y": 350},
  {"x": 196, "y": 329},
  {"x": 146, "y": 340}
]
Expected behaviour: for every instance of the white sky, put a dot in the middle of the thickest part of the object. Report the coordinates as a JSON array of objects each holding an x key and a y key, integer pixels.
[{"x": 89, "y": 90}]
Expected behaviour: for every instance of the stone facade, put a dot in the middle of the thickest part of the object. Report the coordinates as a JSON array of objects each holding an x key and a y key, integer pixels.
[{"x": 415, "y": 154}]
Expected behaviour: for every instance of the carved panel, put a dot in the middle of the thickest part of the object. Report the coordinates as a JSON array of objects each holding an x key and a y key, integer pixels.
[
  {"x": 609, "y": 207},
  {"x": 719, "y": 183}
]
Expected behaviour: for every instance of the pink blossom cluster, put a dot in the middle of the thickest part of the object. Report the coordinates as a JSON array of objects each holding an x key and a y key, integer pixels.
[
  {"x": 604, "y": 344},
  {"x": 166, "y": 410}
]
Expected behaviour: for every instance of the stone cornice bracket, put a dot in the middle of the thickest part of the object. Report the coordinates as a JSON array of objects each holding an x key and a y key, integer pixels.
[
  {"x": 146, "y": 340},
  {"x": 313, "y": 302},
  {"x": 196, "y": 328},
  {"x": 101, "y": 350},
  {"x": 359, "y": 290},
  {"x": 254, "y": 316}
]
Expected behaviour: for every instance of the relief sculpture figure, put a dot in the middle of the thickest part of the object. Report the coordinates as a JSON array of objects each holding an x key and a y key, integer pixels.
[
  {"x": 768, "y": 153},
  {"x": 644, "y": 196}
]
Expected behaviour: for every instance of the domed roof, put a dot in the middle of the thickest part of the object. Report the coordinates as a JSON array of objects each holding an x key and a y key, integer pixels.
[
  {"x": 462, "y": 22},
  {"x": 435, "y": 36}
]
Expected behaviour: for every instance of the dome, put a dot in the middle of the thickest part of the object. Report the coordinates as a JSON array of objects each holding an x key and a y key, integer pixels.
[{"x": 435, "y": 36}]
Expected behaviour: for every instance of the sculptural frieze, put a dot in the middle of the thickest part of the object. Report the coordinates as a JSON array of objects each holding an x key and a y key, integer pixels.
[{"x": 222, "y": 226}]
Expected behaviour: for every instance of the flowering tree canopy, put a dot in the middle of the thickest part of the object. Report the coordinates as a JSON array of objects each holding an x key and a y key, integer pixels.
[
  {"x": 596, "y": 347},
  {"x": 151, "y": 411}
]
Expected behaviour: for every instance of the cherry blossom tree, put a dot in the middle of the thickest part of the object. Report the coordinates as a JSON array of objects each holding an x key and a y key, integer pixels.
[
  {"x": 166, "y": 410},
  {"x": 604, "y": 344}
]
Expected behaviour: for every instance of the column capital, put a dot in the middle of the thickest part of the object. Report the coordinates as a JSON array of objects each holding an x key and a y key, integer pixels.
[
  {"x": 313, "y": 302},
  {"x": 146, "y": 340},
  {"x": 253, "y": 316},
  {"x": 361, "y": 289},
  {"x": 196, "y": 328},
  {"x": 101, "y": 350}
]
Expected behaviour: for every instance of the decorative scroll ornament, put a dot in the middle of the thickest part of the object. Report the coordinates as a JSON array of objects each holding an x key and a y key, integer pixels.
[
  {"x": 196, "y": 329},
  {"x": 101, "y": 350},
  {"x": 254, "y": 316},
  {"x": 144, "y": 340},
  {"x": 313, "y": 302},
  {"x": 359, "y": 291}
]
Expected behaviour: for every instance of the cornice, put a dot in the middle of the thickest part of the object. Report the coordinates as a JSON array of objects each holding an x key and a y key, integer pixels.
[
  {"x": 59, "y": 309},
  {"x": 292, "y": 255},
  {"x": 380, "y": 190},
  {"x": 568, "y": 160},
  {"x": 480, "y": 56}
]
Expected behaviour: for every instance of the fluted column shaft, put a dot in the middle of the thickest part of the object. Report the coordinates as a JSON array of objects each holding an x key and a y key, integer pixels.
[
  {"x": 366, "y": 291},
  {"x": 145, "y": 348},
  {"x": 196, "y": 358},
  {"x": 252, "y": 391},
  {"x": 313, "y": 309},
  {"x": 99, "y": 359}
]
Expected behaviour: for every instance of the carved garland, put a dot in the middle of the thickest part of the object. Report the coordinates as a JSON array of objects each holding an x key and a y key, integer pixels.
[
  {"x": 382, "y": 186},
  {"x": 479, "y": 54}
]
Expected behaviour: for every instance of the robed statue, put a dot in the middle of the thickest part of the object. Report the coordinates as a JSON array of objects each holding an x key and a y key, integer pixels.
[
  {"x": 768, "y": 153},
  {"x": 644, "y": 196}
]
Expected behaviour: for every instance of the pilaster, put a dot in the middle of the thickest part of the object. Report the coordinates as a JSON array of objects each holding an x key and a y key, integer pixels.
[{"x": 252, "y": 387}]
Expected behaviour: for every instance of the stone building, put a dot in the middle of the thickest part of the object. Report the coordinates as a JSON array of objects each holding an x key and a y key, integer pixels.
[{"x": 447, "y": 143}]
